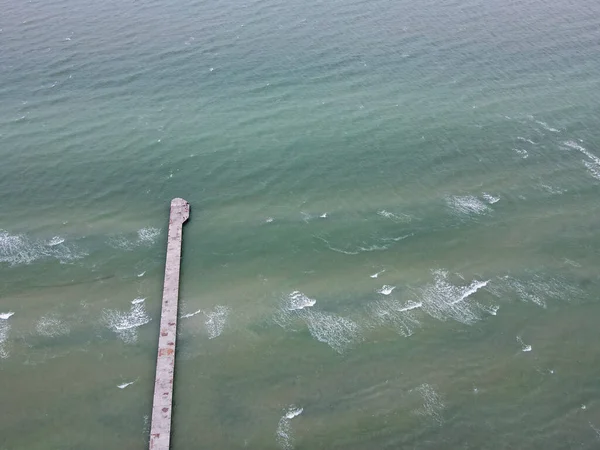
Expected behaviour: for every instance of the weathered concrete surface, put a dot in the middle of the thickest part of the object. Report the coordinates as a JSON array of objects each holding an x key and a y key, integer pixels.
[{"x": 160, "y": 431}]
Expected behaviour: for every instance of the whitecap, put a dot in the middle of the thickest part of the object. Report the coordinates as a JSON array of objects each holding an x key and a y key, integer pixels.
[
  {"x": 140, "y": 275},
  {"x": 546, "y": 126},
  {"x": 6, "y": 315},
  {"x": 394, "y": 217},
  {"x": 56, "y": 240},
  {"x": 338, "y": 332},
  {"x": 297, "y": 300},
  {"x": 185, "y": 316},
  {"x": 125, "y": 324},
  {"x": 526, "y": 140},
  {"x": 399, "y": 238},
  {"x": 521, "y": 152},
  {"x": 524, "y": 347},
  {"x": 293, "y": 412},
  {"x": 392, "y": 313},
  {"x": 467, "y": 204},
  {"x": 124, "y": 385},
  {"x": 135, "y": 301},
  {"x": 323, "y": 216},
  {"x": 375, "y": 275},
  {"x": 593, "y": 165},
  {"x": 444, "y": 300},
  {"x": 269, "y": 220},
  {"x": 386, "y": 289},
  {"x": 284, "y": 434},
  {"x": 373, "y": 248},
  {"x": 471, "y": 289},
  {"x": 490, "y": 198}
]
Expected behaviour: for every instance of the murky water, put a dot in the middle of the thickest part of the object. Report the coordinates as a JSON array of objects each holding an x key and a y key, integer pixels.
[{"x": 393, "y": 240}]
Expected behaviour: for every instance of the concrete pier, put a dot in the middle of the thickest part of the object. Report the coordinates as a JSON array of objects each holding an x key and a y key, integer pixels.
[{"x": 160, "y": 430}]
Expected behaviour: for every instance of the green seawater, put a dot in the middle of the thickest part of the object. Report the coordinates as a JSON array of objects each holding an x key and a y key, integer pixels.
[{"x": 393, "y": 242}]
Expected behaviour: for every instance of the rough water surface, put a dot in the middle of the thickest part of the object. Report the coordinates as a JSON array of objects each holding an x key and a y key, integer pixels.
[{"x": 394, "y": 232}]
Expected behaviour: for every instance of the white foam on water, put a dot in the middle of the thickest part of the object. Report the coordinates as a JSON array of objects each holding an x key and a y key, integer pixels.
[
  {"x": 399, "y": 238},
  {"x": 375, "y": 275},
  {"x": 524, "y": 347},
  {"x": 386, "y": 289},
  {"x": 19, "y": 249},
  {"x": 546, "y": 126},
  {"x": 284, "y": 434},
  {"x": 125, "y": 323},
  {"x": 471, "y": 289},
  {"x": 467, "y": 204},
  {"x": 345, "y": 252},
  {"x": 433, "y": 404},
  {"x": 323, "y": 216},
  {"x": 552, "y": 190},
  {"x": 216, "y": 320},
  {"x": 148, "y": 235},
  {"x": 397, "y": 315},
  {"x": 444, "y": 300},
  {"x": 145, "y": 236},
  {"x": 306, "y": 217},
  {"x": 6, "y": 315},
  {"x": 51, "y": 326},
  {"x": 4, "y": 331},
  {"x": 140, "y": 275},
  {"x": 359, "y": 249},
  {"x": 338, "y": 332},
  {"x": 124, "y": 385},
  {"x": 56, "y": 240},
  {"x": 492, "y": 310},
  {"x": 185, "y": 316},
  {"x": 526, "y": 140},
  {"x": 521, "y": 152},
  {"x": 394, "y": 217},
  {"x": 410, "y": 306},
  {"x": 593, "y": 165},
  {"x": 537, "y": 289},
  {"x": 297, "y": 300},
  {"x": 293, "y": 412},
  {"x": 135, "y": 301},
  {"x": 120, "y": 242},
  {"x": 269, "y": 220},
  {"x": 596, "y": 430},
  {"x": 373, "y": 248},
  {"x": 490, "y": 198}
]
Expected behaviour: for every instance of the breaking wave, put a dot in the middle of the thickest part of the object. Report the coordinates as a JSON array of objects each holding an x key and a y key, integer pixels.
[
  {"x": 444, "y": 300},
  {"x": 338, "y": 332},
  {"x": 284, "y": 434}
]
